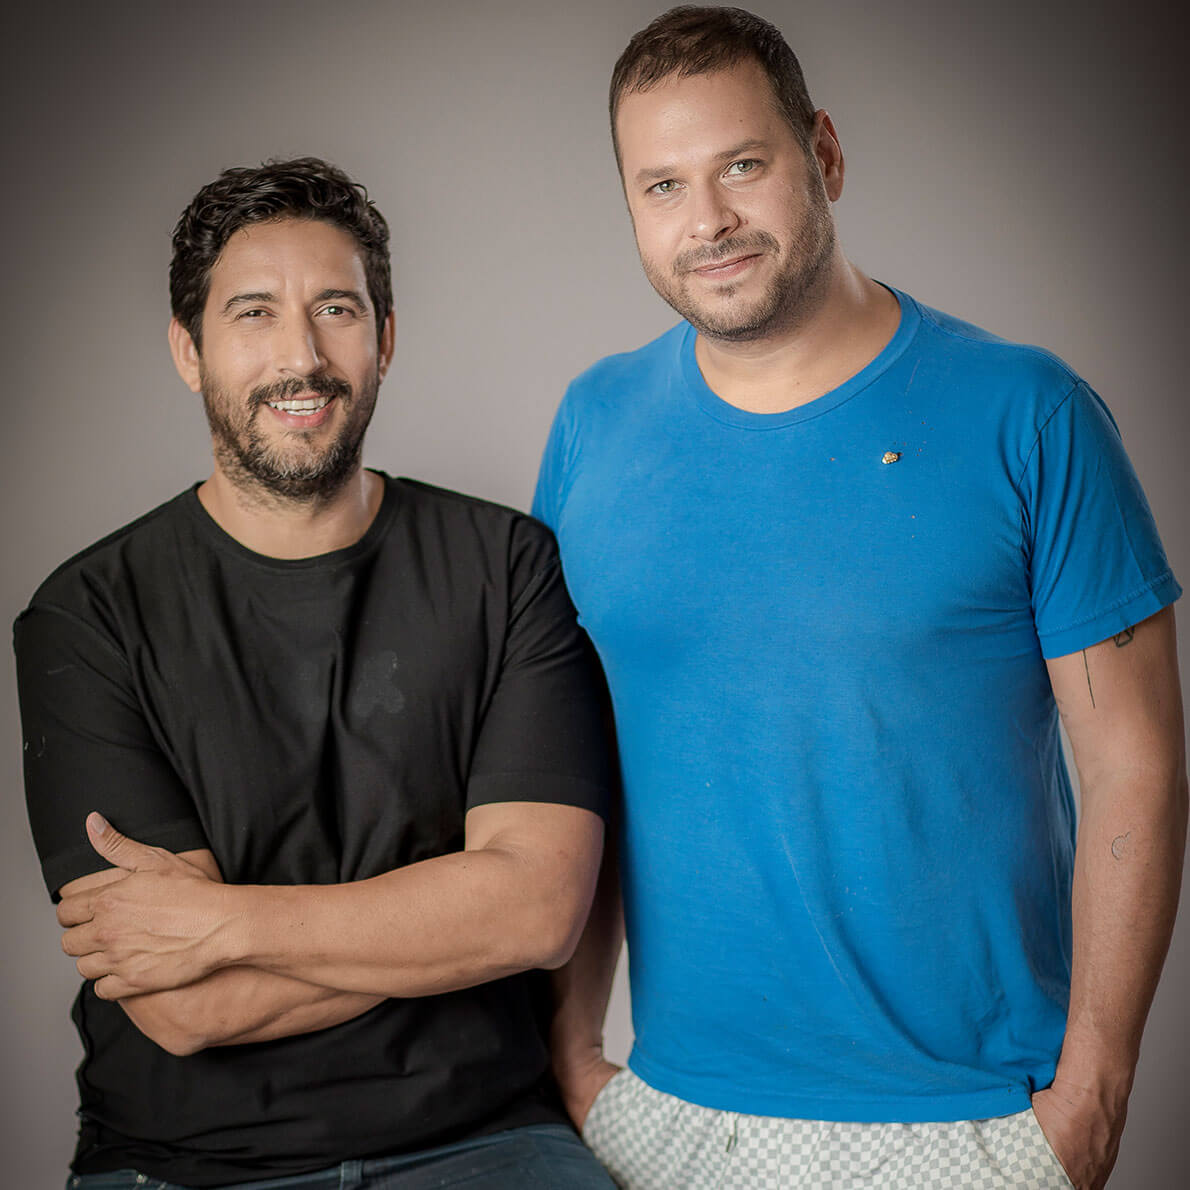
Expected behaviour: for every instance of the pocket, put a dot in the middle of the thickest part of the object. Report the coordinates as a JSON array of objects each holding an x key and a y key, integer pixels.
[
  {"x": 1047, "y": 1150},
  {"x": 602, "y": 1106}
]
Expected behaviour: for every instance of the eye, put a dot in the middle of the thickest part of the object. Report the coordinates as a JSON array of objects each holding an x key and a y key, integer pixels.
[
  {"x": 254, "y": 312},
  {"x": 738, "y": 169},
  {"x": 666, "y": 187},
  {"x": 338, "y": 311}
]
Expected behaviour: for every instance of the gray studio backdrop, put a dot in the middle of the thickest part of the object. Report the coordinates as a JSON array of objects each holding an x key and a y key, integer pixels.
[{"x": 1020, "y": 165}]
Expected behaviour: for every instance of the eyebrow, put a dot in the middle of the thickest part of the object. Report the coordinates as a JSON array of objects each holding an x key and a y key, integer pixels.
[
  {"x": 244, "y": 299},
  {"x": 350, "y": 294},
  {"x": 325, "y": 295},
  {"x": 660, "y": 173}
]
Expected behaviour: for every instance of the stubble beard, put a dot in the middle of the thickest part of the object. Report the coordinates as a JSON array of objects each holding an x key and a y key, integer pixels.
[
  {"x": 792, "y": 294},
  {"x": 260, "y": 467}
]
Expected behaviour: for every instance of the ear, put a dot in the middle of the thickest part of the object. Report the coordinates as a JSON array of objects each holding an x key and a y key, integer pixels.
[
  {"x": 387, "y": 340},
  {"x": 828, "y": 153},
  {"x": 185, "y": 353}
]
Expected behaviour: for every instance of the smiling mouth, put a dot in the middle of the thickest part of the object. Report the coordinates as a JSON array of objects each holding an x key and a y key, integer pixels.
[
  {"x": 722, "y": 266},
  {"x": 303, "y": 406}
]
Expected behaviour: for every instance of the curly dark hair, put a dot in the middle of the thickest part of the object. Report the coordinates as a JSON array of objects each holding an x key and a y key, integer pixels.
[
  {"x": 304, "y": 188},
  {"x": 689, "y": 40}
]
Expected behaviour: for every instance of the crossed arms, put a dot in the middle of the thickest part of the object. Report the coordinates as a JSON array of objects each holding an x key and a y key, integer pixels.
[{"x": 195, "y": 962}]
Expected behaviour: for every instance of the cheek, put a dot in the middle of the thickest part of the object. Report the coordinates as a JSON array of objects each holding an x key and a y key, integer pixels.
[
  {"x": 242, "y": 367},
  {"x": 655, "y": 240}
]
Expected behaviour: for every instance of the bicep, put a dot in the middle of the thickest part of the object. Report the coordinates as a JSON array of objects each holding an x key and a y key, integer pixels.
[
  {"x": 1120, "y": 702},
  {"x": 88, "y": 745},
  {"x": 559, "y": 846}
]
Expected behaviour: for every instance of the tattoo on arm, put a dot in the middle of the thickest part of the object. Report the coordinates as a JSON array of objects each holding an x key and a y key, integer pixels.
[
  {"x": 1090, "y": 688},
  {"x": 1124, "y": 638}
]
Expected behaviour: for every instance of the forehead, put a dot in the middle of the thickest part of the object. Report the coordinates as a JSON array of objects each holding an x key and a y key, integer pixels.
[
  {"x": 288, "y": 255},
  {"x": 703, "y": 113}
]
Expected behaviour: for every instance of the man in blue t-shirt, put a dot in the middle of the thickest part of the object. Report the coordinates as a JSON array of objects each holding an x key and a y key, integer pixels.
[{"x": 847, "y": 562}]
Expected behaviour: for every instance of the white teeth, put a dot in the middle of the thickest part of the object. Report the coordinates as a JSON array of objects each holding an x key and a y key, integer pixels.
[{"x": 306, "y": 405}]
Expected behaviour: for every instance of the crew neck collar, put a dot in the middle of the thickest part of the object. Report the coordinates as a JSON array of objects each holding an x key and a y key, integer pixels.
[
  {"x": 221, "y": 539},
  {"x": 722, "y": 411}
]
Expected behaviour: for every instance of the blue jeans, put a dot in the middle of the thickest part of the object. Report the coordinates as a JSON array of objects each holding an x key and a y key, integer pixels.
[{"x": 540, "y": 1157}]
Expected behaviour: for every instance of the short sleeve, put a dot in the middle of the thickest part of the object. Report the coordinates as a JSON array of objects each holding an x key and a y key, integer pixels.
[
  {"x": 88, "y": 746},
  {"x": 544, "y": 736},
  {"x": 1096, "y": 561}
]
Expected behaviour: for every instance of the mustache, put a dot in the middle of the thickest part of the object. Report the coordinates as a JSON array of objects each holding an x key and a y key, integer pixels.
[
  {"x": 745, "y": 245},
  {"x": 324, "y": 386}
]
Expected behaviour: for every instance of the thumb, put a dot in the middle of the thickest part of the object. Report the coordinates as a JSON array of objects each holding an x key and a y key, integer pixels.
[{"x": 116, "y": 848}]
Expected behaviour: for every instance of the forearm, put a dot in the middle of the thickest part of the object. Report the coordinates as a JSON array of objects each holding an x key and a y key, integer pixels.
[
  {"x": 239, "y": 1005},
  {"x": 581, "y": 991},
  {"x": 1127, "y": 877},
  {"x": 445, "y": 923},
  {"x": 582, "y": 987}
]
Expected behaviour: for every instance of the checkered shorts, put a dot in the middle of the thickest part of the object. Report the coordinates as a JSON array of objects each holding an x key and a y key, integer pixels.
[{"x": 652, "y": 1141}]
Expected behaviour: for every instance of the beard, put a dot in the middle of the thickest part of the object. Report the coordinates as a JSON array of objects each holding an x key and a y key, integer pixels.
[
  {"x": 294, "y": 468},
  {"x": 791, "y": 295}
]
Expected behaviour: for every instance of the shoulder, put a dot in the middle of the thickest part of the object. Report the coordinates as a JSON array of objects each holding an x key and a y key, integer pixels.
[
  {"x": 994, "y": 391},
  {"x": 994, "y": 362},
  {"x": 92, "y": 575},
  {"x": 615, "y": 377},
  {"x": 469, "y": 526}
]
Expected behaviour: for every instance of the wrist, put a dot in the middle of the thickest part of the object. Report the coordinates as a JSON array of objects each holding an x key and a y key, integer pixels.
[
  {"x": 229, "y": 942},
  {"x": 568, "y": 1057},
  {"x": 1093, "y": 1088},
  {"x": 1096, "y": 1060}
]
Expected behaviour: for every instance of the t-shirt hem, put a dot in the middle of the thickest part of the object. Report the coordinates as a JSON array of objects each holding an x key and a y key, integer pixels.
[
  {"x": 552, "y": 788},
  {"x": 903, "y": 1109},
  {"x": 1134, "y": 607}
]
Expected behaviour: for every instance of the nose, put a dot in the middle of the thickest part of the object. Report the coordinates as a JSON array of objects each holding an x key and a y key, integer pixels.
[
  {"x": 298, "y": 350},
  {"x": 712, "y": 215}
]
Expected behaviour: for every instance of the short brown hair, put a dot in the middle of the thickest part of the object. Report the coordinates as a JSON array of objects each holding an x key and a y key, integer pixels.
[
  {"x": 303, "y": 188},
  {"x": 690, "y": 40}
]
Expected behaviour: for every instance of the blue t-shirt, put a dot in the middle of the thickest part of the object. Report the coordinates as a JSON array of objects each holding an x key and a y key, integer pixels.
[{"x": 848, "y": 828}]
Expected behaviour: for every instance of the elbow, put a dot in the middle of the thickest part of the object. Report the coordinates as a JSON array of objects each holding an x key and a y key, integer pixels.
[
  {"x": 559, "y": 951},
  {"x": 568, "y": 934},
  {"x": 175, "y": 1040},
  {"x": 553, "y": 930},
  {"x": 174, "y": 1034},
  {"x": 550, "y": 906},
  {"x": 180, "y": 1043}
]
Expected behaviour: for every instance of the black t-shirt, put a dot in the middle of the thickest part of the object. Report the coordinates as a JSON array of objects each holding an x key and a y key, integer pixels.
[{"x": 311, "y": 721}]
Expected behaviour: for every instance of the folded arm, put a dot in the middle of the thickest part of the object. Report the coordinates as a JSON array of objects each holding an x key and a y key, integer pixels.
[
  {"x": 515, "y": 898},
  {"x": 230, "y": 1007},
  {"x": 1121, "y": 706}
]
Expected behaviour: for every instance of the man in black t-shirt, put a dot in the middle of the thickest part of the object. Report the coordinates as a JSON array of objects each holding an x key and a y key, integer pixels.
[{"x": 338, "y": 749}]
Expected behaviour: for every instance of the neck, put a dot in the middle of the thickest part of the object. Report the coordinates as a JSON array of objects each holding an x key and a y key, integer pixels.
[
  {"x": 813, "y": 353},
  {"x": 279, "y": 528}
]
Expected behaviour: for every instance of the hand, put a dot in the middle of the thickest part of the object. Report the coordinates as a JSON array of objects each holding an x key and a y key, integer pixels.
[
  {"x": 144, "y": 931},
  {"x": 1083, "y": 1130},
  {"x": 580, "y": 1078}
]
